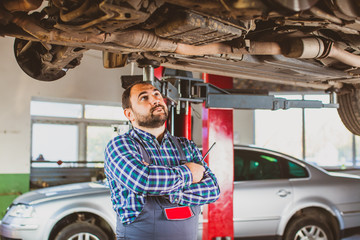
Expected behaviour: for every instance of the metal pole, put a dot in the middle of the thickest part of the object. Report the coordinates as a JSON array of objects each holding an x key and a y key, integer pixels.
[
  {"x": 148, "y": 74},
  {"x": 332, "y": 97},
  {"x": 354, "y": 150},
  {"x": 132, "y": 70},
  {"x": 172, "y": 128},
  {"x": 303, "y": 132}
]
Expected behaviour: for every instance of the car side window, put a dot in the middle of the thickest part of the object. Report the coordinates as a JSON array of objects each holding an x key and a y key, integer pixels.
[
  {"x": 297, "y": 171},
  {"x": 250, "y": 165},
  {"x": 239, "y": 168}
]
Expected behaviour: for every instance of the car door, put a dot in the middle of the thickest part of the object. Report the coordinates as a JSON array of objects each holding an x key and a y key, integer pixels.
[{"x": 262, "y": 193}]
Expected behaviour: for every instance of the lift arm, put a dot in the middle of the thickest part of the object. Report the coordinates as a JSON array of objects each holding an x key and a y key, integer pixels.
[
  {"x": 195, "y": 90},
  {"x": 184, "y": 89}
]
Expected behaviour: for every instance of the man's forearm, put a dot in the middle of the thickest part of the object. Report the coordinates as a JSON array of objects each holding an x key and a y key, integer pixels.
[
  {"x": 148, "y": 180},
  {"x": 204, "y": 192},
  {"x": 165, "y": 180}
]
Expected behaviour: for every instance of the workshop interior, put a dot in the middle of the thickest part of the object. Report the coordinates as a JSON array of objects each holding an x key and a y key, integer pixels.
[{"x": 269, "y": 90}]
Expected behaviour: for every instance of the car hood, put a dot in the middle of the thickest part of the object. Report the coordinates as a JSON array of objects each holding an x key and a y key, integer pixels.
[{"x": 63, "y": 191}]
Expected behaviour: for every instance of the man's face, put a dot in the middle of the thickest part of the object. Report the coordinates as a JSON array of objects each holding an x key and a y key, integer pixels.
[{"x": 148, "y": 108}]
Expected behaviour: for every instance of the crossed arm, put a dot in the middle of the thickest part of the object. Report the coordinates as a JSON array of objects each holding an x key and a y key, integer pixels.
[{"x": 188, "y": 184}]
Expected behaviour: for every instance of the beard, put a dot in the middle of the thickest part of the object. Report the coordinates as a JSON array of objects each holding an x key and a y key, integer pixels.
[{"x": 151, "y": 120}]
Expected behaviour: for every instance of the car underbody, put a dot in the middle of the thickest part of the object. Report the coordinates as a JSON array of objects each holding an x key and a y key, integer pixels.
[{"x": 313, "y": 44}]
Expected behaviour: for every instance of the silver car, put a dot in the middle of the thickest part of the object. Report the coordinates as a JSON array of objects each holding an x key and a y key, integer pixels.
[{"x": 275, "y": 197}]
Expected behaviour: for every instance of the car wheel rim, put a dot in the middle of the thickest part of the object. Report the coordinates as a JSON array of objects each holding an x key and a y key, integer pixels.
[
  {"x": 83, "y": 236},
  {"x": 311, "y": 232}
]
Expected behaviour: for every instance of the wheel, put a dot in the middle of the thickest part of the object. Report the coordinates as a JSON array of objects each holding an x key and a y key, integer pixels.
[
  {"x": 349, "y": 109},
  {"x": 81, "y": 231},
  {"x": 45, "y": 64},
  {"x": 309, "y": 227}
]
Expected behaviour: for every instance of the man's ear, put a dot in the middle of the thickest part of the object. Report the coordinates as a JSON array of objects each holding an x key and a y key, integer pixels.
[{"x": 129, "y": 114}]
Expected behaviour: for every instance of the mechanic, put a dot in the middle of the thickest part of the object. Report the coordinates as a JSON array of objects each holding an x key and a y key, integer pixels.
[{"x": 158, "y": 182}]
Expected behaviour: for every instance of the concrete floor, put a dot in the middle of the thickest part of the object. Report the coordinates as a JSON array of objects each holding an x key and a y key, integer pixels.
[{"x": 356, "y": 237}]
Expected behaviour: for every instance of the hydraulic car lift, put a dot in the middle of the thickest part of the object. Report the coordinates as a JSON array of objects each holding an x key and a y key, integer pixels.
[
  {"x": 179, "y": 89},
  {"x": 218, "y": 105}
]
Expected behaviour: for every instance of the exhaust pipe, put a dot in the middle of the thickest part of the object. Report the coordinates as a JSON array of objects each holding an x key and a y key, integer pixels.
[
  {"x": 344, "y": 56},
  {"x": 254, "y": 48},
  {"x": 305, "y": 48},
  {"x": 142, "y": 41},
  {"x": 317, "y": 48},
  {"x": 136, "y": 40},
  {"x": 21, "y": 5}
]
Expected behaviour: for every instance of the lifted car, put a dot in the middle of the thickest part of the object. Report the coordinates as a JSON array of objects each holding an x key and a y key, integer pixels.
[{"x": 309, "y": 43}]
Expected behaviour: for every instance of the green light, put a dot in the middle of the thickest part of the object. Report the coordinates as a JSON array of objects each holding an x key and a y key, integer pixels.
[{"x": 271, "y": 159}]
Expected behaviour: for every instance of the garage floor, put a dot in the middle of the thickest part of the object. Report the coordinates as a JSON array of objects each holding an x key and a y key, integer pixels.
[{"x": 357, "y": 237}]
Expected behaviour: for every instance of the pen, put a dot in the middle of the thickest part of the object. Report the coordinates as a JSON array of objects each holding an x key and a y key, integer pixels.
[
  {"x": 208, "y": 151},
  {"x": 184, "y": 161}
]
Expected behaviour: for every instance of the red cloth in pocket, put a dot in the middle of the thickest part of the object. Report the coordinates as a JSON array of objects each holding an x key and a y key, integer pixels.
[{"x": 178, "y": 213}]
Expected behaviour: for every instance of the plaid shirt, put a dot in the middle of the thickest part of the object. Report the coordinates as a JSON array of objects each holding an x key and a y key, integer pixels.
[{"x": 131, "y": 180}]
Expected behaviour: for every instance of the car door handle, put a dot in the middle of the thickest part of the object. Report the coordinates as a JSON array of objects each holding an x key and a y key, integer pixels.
[{"x": 283, "y": 193}]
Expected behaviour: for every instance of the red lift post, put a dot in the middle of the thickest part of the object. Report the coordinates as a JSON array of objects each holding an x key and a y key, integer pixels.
[{"x": 218, "y": 127}]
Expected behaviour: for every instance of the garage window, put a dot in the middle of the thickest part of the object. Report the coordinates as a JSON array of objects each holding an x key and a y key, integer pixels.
[
  {"x": 56, "y": 109},
  {"x": 54, "y": 142},
  {"x": 327, "y": 141},
  {"x": 96, "y": 139},
  {"x": 72, "y": 133},
  {"x": 280, "y": 130},
  {"x": 316, "y": 135}
]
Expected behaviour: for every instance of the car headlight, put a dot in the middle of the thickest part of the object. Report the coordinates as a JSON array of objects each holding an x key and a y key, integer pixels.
[{"x": 21, "y": 211}]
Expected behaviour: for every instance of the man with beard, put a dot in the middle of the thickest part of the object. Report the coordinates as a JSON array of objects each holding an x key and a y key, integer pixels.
[{"x": 158, "y": 182}]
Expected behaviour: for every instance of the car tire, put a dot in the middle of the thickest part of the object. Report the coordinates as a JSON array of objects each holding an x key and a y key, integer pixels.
[
  {"x": 81, "y": 230},
  {"x": 349, "y": 109},
  {"x": 30, "y": 59},
  {"x": 308, "y": 225}
]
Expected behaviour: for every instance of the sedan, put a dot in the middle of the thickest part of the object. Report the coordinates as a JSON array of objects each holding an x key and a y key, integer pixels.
[{"x": 275, "y": 197}]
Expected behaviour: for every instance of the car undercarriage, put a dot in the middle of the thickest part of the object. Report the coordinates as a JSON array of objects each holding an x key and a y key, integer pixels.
[{"x": 313, "y": 44}]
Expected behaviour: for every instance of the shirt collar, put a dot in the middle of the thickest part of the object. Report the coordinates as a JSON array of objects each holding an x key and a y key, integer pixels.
[{"x": 148, "y": 136}]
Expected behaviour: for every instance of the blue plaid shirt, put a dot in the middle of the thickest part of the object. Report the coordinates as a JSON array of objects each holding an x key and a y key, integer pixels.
[{"x": 130, "y": 180}]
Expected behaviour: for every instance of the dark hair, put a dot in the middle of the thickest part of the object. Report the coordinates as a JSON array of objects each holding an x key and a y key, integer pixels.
[{"x": 125, "y": 100}]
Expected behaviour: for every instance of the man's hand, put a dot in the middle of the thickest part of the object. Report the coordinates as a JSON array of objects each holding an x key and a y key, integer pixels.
[{"x": 196, "y": 170}]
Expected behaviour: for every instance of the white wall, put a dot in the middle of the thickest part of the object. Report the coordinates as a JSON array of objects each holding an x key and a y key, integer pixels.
[
  {"x": 89, "y": 81},
  {"x": 244, "y": 128}
]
